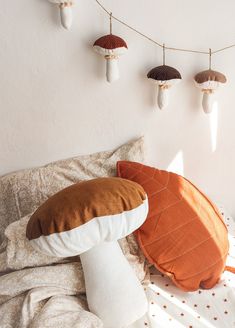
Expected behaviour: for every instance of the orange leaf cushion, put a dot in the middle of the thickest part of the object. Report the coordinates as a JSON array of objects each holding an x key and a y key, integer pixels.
[{"x": 184, "y": 235}]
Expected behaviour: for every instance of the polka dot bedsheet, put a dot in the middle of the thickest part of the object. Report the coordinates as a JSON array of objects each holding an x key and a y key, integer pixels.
[{"x": 213, "y": 308}]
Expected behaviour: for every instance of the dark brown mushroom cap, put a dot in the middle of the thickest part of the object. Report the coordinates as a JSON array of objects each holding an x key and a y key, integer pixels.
[
  {"x": 110, "y": 41},
  {"x": 164, "y": 73},
  {"x": 210, "y": 75}
]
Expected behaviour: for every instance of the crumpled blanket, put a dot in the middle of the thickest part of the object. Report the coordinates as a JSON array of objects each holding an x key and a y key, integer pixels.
[
  {"x": 53, "y": 296},
  {"x": 49, "y": 296}
]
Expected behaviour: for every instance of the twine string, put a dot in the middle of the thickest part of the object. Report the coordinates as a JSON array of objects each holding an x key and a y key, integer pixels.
[
  {"x": 210, "y": 53},
  {"x": 164, "y": 53},
  {"x": 110, "y": 23}
]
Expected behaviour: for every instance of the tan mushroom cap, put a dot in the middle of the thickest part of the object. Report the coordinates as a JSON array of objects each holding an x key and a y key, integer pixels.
[
  {"x": 85, "y": 214},
  {"x": 210, "y": 75},
  {"x": 80, "y": 203},
  {"x": 110, "y": 44},
  {"x": 164, "y": 73}
]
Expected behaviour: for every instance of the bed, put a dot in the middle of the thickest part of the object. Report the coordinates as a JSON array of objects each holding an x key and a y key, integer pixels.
[
  {"x": 31, "y": 297},
  {"x": 39, "y": 292}
]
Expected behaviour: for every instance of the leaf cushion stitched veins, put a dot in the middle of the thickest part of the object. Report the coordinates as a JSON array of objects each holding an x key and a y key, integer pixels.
[{"x": 184, "y": 235}]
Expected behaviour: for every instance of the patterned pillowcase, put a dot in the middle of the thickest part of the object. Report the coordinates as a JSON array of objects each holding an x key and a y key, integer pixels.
[
  {"x": 20, "y": 254},
  {"x": 24, "y": 191}
]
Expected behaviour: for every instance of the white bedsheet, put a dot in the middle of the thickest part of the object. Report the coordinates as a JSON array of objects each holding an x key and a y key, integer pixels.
[{"x": 213, "y": 308}]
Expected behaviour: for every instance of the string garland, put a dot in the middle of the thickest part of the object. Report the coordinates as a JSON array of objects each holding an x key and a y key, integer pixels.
[
  {"x": 164, "y": 76},
  {"x": 111, "y": 47},
  {"x": 210, "y": 52}
]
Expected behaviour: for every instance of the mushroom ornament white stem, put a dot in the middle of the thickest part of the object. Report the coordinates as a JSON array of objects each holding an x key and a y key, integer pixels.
[
  {"x": 207, "y": 101},
  {"x": 163, "y": 96},
  {"x": 112, "y": 70},
  {"x": 66, "y": 14},
  {"x": 111, "y": 47}
]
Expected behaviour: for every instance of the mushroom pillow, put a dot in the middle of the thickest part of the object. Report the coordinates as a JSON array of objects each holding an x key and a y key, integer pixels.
[
  {"x": 184, "y": 235},
  {"x": 87, "y": 219}
]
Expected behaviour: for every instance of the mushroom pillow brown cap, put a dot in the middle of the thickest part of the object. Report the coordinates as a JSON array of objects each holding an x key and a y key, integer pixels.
[
  {"x": 87, "y": 219},
  {"x": 85, "y": 214},
  {"x": 210, "y": 75},
  {"x": 110, "y": 45},
  {"x": 164, "y": 73}
]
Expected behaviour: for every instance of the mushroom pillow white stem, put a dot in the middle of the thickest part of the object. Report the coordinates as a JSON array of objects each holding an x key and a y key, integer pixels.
[
  {"x": 88, "y": 219},
  {"x": 113, "y": 290}
]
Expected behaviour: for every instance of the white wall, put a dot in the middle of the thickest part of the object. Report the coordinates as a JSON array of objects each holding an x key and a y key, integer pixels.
[{"x": 55, "y": 103}]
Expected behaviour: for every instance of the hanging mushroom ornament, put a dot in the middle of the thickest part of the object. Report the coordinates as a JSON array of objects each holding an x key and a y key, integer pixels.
[
  {"x": 111, "y": 47},
  {"x": 165, "y": 77},
  {"x": 66, "y": 14},
  {"x": 208, "y": 81}
]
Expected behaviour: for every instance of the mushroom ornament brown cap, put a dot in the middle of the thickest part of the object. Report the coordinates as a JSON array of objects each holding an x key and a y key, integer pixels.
[
  {"x": 164, "y": 73},
  {"x": 210, "y": 75},
  {"x": 110, "y": 45},
  {"x": 86, "y": 214},
  {"x": 165, "y": 77}
]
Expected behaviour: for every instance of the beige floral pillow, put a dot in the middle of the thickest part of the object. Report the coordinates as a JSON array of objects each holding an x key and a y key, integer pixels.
[
  {"x": 23, "y": 191},
  {"x": 20, "y": 254}
]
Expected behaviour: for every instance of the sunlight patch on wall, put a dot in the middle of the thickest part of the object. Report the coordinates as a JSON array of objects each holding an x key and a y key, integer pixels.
[
  {"x": 177, "y": 164},
  {"x": 214, "y": 126}
]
